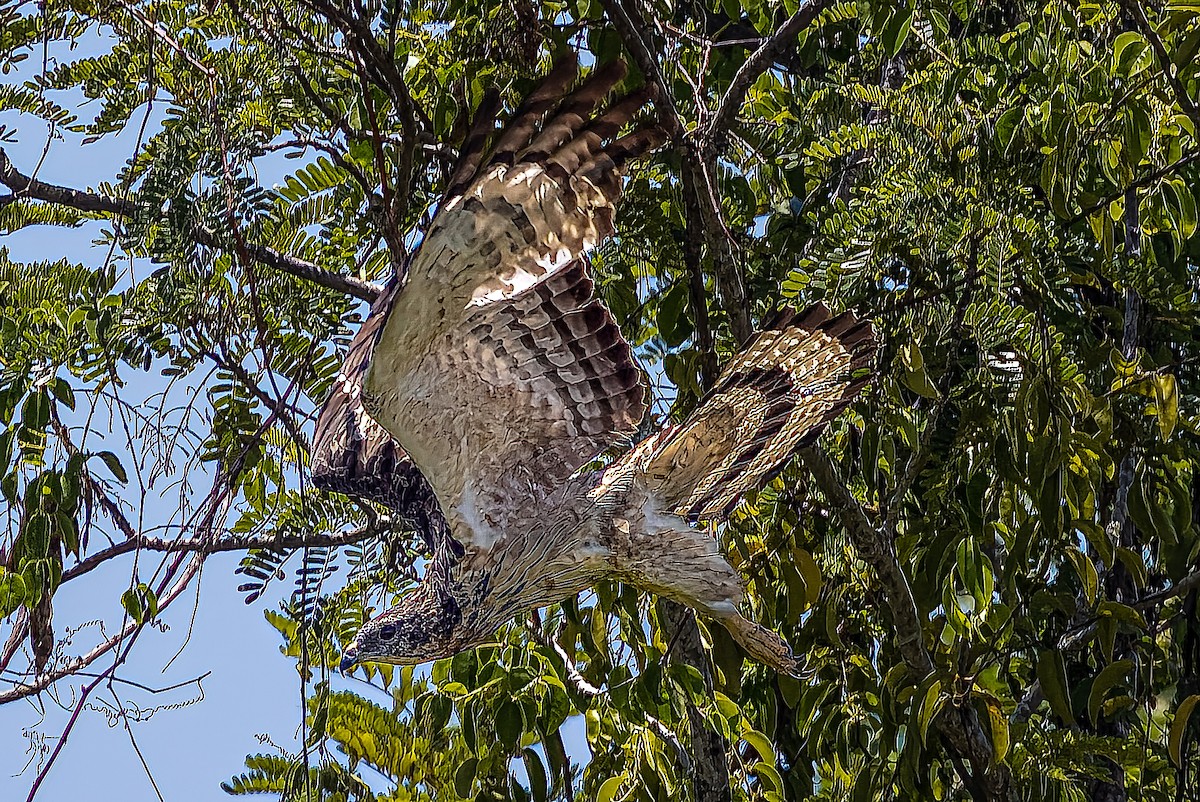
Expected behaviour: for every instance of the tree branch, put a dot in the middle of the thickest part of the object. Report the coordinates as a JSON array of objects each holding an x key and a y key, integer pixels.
[
  {"x": 959, "y": 725},
  {"x": 1149, "y": 178},
  {"x": 282, "y": 411},
  {"x": 698, "y": 153},
  {"x": 585, "y": 688},
  {"x": 759, "y": 62},
  {"x": 95, "y": 203},
  {"x": 1137, "y": 11},
  {"x": 710, "y": 769},
  {"x": 876, "y": 548},
  {"x": 205, "y": 546},
  {"x": 23, "y": 185},
  {"x": 630, "y": 25},
  {"x": 45, "y": 680}
]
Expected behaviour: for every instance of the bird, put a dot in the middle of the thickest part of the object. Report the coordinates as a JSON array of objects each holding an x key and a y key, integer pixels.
[{"x": 489, "y": 377}]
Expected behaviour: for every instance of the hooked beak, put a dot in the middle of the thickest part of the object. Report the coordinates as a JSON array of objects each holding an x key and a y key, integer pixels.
[{"x": 349, "y": 659}]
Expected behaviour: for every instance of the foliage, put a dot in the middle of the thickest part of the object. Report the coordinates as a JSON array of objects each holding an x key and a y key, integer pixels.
[{"x": 1007, "y": 188}]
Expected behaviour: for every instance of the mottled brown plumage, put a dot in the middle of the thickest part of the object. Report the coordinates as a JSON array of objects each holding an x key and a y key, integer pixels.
[{"x": 487, "y": 376}]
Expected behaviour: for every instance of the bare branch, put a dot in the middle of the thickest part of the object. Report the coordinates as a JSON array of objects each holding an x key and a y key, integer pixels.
[
  {"x": 759, "y": 62},
  {"x": 25, "y": 186},
  {"x": 205, "y": 546},
  {"x": 44, "y": 681}
]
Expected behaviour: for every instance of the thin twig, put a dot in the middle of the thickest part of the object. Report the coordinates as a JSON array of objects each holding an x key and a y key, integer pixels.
[
  {"x": 202, "y": 545},
  {"x": 1150, "y": 178}
]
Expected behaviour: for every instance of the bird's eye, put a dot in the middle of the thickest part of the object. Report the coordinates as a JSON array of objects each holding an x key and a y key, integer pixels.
[{"x": 387, "y": 631}]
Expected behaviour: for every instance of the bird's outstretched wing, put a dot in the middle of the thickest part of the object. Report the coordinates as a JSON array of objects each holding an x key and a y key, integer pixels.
[
  {"x": 790, "y": 381},
  {"x": 497, "y": 367},
  {"x": 353, "y": 454}
]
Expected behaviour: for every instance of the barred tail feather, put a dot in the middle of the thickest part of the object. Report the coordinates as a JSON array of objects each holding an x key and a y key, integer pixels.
[{"x": 775, "y": 396}]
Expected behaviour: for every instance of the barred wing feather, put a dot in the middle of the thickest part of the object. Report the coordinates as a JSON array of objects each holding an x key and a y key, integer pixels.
[
  {"x": 497, "y": 367},
  {"x": 779, "y": 392}
]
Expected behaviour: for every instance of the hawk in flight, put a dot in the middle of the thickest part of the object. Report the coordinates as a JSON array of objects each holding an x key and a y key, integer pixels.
[{"x": 490, "y": 373}]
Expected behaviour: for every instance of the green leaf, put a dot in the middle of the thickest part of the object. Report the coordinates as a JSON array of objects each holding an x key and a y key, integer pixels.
[
  {"x": 114, "y": 465},
  {"x": 673, "y": 322},
  {"x": 609, "y": 788},
  {"x": 1006, "y": 126},
  {"x": 810, "y": 572},
  {"x": 897, "y": 29},
  {"x": 1121, "y": 612},
  {"x": 1179, "y": 727},
  {"x": 761, "y": 744},
  {"x": 464, "y": 777},
  {"x": 772, "y": 782},
  {"x": 63, "y": 392},
  {"x": 12, "y": 592},
  {"x": 1102, "y": 684},
  {"x": 539, "y": 785},
  {"x": 1000, "y": 733},
  {"x": 1089, "y": 577},
  {"x": 1166, "y": 395},
  {"x": 1183, "y": 204},
  {"x": 931, "y": 703},
  {"x": 915, "y": 376},
  {"x": 141, "y": 603},
  {"x": 1052, "y": 674},
  {"x": 1138, "y": 134},
  {"x": 131, "y": 600},
  {"x": 1131, "y": 54},
  {"x": 510, "y": 724}
]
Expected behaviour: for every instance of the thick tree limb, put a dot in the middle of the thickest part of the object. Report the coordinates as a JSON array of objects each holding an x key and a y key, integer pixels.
[
  {"x": 959, "y": 725},
  {"x": 23, "y": 185},
  {"x": 710, "y": 769},
  {"x": 1181, "y": 588},
  {"x": 873, "y": 543},
  {"x": 95, "y": 203}
]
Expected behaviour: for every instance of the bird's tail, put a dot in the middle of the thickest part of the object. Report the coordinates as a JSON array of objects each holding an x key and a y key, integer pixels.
[{"x": 777, "y": 395}]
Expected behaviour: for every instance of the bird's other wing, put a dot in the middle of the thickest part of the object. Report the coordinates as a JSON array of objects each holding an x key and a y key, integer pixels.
[
  {"x": 353, "y": 454},
  {"x": 778, "y": 393},
  {"x": 498, "y": 368}
]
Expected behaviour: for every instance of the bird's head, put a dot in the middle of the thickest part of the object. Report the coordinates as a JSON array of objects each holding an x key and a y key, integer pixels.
[{"x": 407, "y": 634}]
